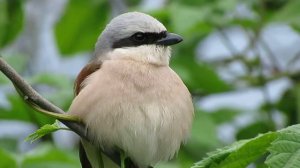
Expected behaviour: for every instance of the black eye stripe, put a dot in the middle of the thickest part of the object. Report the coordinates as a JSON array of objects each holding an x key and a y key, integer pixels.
[{"x": 148, "y": 38}]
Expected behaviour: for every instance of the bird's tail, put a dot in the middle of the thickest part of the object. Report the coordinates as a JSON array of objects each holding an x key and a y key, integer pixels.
[{"x": 92, "y": 157}]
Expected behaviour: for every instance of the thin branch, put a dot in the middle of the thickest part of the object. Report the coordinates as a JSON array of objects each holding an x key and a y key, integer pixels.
[
  {"x": 228, "y": 43},
  {"x": 32, "y": 96},
  {"x": 270, "y": 54},
  {"x": 293, "y": 60}
]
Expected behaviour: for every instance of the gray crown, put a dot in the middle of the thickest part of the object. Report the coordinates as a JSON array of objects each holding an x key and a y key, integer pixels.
[{"x": 124, "y": 26}]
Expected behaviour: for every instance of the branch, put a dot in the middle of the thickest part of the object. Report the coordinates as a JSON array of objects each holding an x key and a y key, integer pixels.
[
  {"x": 270, "y": 54},
  {"x": 228, "y": 43},
  {"x": 293, "y": 60},
  {"x": 30, "y": 95}
]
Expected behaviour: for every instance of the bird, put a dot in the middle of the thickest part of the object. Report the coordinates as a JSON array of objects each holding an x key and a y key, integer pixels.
[{"x": 128, "y": 97}]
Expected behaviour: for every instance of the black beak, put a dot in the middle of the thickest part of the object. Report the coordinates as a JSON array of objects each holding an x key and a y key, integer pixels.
[{"x": 170, "y": 39}]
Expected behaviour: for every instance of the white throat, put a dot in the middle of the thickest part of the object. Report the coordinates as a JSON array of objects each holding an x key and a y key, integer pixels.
[{"x": 154, "y": 54}]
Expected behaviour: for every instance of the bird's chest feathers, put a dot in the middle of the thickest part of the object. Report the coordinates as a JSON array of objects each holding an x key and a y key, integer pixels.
[
  {"x": 130, "y": 78},
  {"x": 133, "y": 105},
  {"x": 129, "y": 88}
]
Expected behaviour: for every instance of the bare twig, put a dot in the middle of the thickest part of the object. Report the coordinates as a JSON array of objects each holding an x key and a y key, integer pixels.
[
  {"x": 29, "y": 94},
  {"x": 293, "y": 60},
  {"x": 228, "y": 43},
  {"x": 270, "y": 54}
]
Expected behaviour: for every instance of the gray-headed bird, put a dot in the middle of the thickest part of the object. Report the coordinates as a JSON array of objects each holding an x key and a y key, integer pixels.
[{"x": 129, "y": 98}]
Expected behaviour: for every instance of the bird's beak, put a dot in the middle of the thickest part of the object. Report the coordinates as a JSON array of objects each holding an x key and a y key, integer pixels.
[{"x": 170, "y": 39}]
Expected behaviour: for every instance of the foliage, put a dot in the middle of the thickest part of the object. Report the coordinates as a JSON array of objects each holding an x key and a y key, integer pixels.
[
  {"x": 239, "y": 154},
  {"x": 7, "y": 160},
  {"x": 285, "y": 149},
  {"x": 11, "y": 20},
  {"x": 80, "y": 33},
  {"x": 283, "y": 146},
  {"x": 77, "y": 31},
  {"x": 45, "y": 155},
  {"x": 44, "y": 130}
]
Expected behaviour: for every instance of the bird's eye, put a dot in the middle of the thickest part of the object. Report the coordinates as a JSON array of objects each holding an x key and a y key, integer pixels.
[{"x": 139, "y": 37}]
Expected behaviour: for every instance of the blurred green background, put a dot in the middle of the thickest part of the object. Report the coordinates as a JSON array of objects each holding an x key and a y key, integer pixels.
[{"x": 240, "y": 60}]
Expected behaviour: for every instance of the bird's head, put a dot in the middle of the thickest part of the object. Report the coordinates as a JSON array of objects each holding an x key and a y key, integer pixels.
[{"x": 136, "y": 36}]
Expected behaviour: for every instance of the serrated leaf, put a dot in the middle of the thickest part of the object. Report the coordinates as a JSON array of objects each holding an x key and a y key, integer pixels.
[
  {"x": 249, "y": 152},
  {"x": 291, "y": 129},
  {"x": 285, "y": 151},
  {"x": 239, "y": 154},
  {"x": 44, "y": 130},
  {"x": 220, "y": 154}
]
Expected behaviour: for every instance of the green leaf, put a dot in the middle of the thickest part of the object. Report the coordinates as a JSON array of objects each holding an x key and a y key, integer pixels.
[
  {"x": 81, "y": 25},
  {"x": 249, "y": 152},
  {"x": 44, "y": 130},
  {"x": 240, "y": 154},
  {"x": 7, "y": 160},
  {"x": 289, "y": 14},
  {"x": 214, "y": 158},
  {"x": 179, "y": 14},
  {"x": 291, "y": 129},
  {"x": 285, "y": 151},
  {"x": 11, "y": 20},
  {"x": 167, "y": 165}
]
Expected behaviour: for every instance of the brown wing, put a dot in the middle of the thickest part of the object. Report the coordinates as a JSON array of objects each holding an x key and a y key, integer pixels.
[{"x": 84, "y": 73}]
